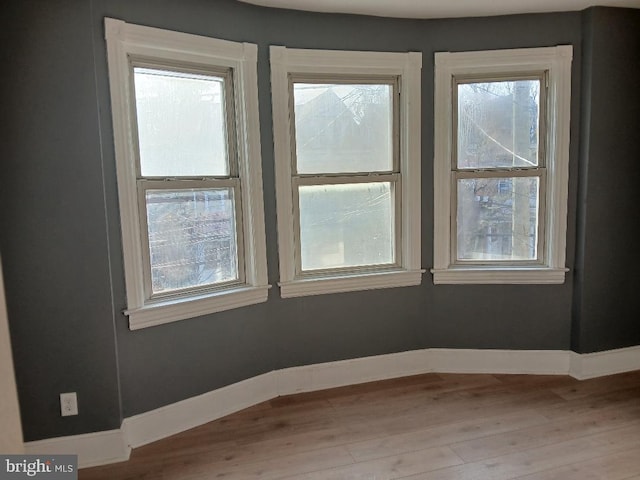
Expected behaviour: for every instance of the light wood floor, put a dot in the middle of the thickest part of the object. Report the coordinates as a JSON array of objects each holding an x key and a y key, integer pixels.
[{"x": 434, "y": 426}]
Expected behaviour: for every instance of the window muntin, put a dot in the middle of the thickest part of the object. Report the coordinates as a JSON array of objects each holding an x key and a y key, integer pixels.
[
  {"x": 344, "y": 131},
  {"x": 499, "y": 132}
]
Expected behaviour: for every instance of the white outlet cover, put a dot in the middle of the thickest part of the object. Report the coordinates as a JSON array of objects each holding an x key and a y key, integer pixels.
[{"x": 68, "y": 404}]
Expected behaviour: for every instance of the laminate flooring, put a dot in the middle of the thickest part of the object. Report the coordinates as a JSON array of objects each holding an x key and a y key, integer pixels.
[{"x": 424, "y": 427}]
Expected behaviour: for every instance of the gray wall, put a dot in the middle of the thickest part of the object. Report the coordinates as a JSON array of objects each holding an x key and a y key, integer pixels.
[
  {"x": 53, "y": 230},
  {"x": 60, "y": 234},
  {"x": 607, "y": 280}
]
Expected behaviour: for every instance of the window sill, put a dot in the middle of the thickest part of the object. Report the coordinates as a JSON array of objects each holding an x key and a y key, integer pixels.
[
  {"x": 515, "y": 275},
  {"x": 180, "y": 309},
  {"x": 350, "y": 283}
]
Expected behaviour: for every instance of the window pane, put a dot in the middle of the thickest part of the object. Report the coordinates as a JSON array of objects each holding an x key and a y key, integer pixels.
[
  {"x": 192, "y": 237},
  {"x": 343, "y": 128},
  {"x": 498, "y": 218},
  {"x": 181, "y": 124},
  {"x": 347, "y": 225},
  {"x": 498, "y": 124}
]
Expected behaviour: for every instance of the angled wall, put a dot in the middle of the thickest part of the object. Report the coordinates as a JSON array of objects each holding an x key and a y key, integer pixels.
[
  {"x": 53, "y": 230},
  {"x": 605, "y": 314}
]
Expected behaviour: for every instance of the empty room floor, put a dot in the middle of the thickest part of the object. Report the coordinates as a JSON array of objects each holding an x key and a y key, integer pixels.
[{"x": 424, "y": 427}]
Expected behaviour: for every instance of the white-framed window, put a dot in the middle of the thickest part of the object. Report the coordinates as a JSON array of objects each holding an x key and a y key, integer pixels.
[
  {"x": 347, "y": 147},
  {"x": 187, "y": 146},
  {"x": 501, "y": 165}
]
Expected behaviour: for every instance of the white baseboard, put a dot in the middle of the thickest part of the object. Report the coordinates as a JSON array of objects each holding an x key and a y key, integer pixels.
[
  {"x": 538, "y": 362},
  {"x": 320, "y": 376},
  {"x": 599, "y": 364},
  {"x": 195, "y": 411},
  {"x": 93, "y": 449},
  {"x": 113, "y": 446}
]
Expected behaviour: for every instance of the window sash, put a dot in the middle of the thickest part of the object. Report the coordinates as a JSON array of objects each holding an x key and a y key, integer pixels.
[
  {"x": 186, "y": 182},
  {"x": 228, "y": 106},
  {"x": 396, "y": 195},
  {"x": 541, "y": 76},
  {"x": 176, "y": 185},
  {"x": 540, "y": 174},
  {"x": 534, "y": 171},
  {"x": 335, "y": 178},
  {"x": 393, "y": 81}
]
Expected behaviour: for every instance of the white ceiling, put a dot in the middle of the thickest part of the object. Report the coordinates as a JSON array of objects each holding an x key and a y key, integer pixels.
[{"x": 440, "y": 8}]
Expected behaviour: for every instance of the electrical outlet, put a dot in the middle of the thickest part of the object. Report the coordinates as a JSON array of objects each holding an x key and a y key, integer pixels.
[{"x": 68, "y": 404}]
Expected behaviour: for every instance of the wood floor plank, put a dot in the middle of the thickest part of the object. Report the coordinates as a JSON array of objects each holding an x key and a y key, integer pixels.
[
  {"x": 618, "y": 466},
  {"x": 440, "y": 435},
  {"x": 429, "y": 414},
  {"x": 600, "y": 385},
  {"x": 444, "y": 426},
  {"x": 617, "y": 399},
  {"x": 276, "y": 467},
  {"x": 242, "y": 454},
  {"x": 388, "y": 468},
  {"x": 543, "y": 458},
  {"x": 545, "y": 433}
]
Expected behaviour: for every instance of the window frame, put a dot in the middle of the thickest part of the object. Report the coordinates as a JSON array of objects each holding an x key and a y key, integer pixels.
[
  {"x": 130, "y": 46},
  {"x": 391, "y": 176},
  {"x": 325, "y": 66},
  {"x": 553, "y": 64}
]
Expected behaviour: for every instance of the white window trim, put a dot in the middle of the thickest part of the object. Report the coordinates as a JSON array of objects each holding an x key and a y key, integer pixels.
[
  {"x": 555, "y": 60},
  {"x": 407, "y": 66},
  {"x": 124, "y": 40}
]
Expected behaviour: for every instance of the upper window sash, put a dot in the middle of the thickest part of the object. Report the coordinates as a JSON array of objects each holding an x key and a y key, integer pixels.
[
  {"x": 553, "y": 157},
  {"x": 316, "y": 82},
  {"x": 542, "y": 78},
  {"x": 167, "y": 69},
  {"x": 134, "y": 46},
  {"x": 323, "y": 66}
]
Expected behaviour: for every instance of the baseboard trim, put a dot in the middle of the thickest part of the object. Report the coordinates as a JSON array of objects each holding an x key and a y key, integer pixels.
[
  {"x": 599, "y": 364},
  {"x": 320, "y": 376},
  {"x": 192, "y": 412},
  {"x": 114, "y": 446},
  {"x": 93, "y": 449},
  {"x": 535, "y": 362}
]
